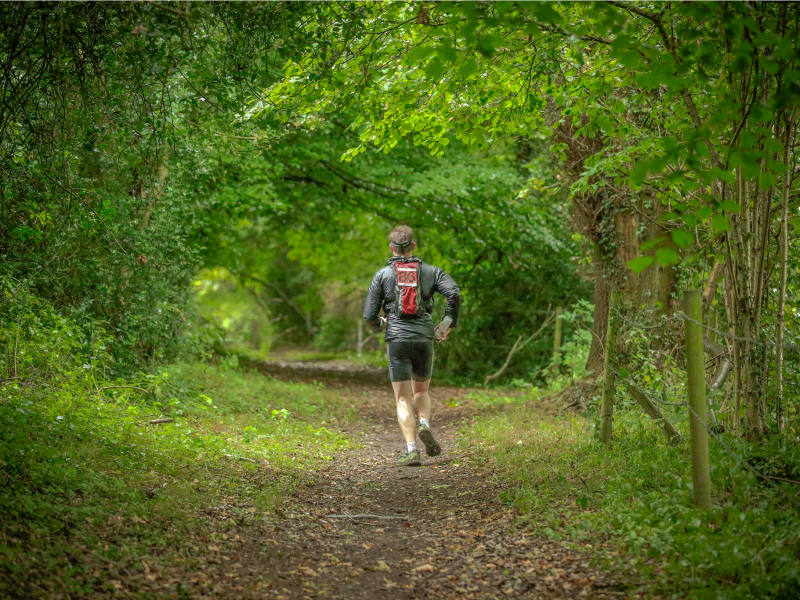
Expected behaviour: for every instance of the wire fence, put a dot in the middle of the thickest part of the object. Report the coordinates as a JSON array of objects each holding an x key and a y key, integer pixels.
[{"x": 723, "y": 334}]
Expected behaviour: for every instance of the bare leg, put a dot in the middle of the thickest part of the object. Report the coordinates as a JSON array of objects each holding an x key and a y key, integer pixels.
[
  {"x": 404, "y": 397},
  {"x": 422, "y": 399},
  {"x": 422, "y": 402}
]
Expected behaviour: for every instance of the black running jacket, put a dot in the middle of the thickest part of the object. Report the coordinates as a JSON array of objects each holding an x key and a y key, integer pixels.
[{"x": 410, "y": 329}]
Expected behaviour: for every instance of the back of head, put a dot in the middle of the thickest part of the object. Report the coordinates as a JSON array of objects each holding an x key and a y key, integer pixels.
[{"x": 401, "y": 238}]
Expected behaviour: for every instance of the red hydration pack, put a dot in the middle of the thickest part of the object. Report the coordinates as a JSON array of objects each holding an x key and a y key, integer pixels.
[{"x": 407, "y": 291}]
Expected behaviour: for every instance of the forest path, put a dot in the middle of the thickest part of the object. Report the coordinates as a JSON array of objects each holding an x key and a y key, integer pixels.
[{"x": 444, "y": 533}]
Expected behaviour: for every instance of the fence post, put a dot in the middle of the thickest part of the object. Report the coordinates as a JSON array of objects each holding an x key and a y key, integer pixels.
[
  {"x": 698, "y": 407},
  {"x": 557, "y": 344},
  {"x": 360, "y": 335},
  {"x": 609, "y": 366}
]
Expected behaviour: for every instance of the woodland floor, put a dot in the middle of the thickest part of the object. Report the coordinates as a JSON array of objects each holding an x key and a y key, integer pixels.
[
  {"x": 444, "y": 533},
  {"x": 436, "y": 531}
]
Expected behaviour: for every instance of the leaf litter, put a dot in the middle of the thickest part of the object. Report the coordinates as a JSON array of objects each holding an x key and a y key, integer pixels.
[{"x": 436, "y": 531}]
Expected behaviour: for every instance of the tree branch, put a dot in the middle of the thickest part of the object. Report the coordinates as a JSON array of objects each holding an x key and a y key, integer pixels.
[
  {"x": 174, "y": 11},
  {"x": 516, "y": 348}
]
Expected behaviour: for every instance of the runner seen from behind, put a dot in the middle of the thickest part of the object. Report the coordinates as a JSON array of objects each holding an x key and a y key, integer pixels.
[{"x": 404, "y": 289}]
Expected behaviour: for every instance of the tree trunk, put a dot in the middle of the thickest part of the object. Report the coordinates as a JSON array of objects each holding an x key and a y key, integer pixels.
[
  {"x": 744, "y": 228},
  {"x": 734, "y": 351},
  {"x": 556, "y": 368},
  {"x": 627, "y": 225},
  {"x": 602, "y": 292},
  {"x": 610, "y": 370},
  {"x": 698, "y": 405},
  {"x": 784, "y": 256}
]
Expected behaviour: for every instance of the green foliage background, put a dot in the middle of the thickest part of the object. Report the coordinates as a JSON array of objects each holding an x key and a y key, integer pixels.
[{"x": 184, "y": 183}]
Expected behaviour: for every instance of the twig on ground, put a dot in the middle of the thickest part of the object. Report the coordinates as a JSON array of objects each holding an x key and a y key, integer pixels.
[
  {"x": 365, "y": 516},
  {"x": 244, "y": 458},
  {"x": 114, "y": 387},
  {"x": 108, "y": 560},
  {"x": 780, "y": 479}
]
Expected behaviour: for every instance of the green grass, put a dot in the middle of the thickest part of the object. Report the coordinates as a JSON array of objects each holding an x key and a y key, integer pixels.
[
  {"x": 635, "y": 499},
  {"x": 86, "y": 480},
  {"x": 368, "y": 358}
]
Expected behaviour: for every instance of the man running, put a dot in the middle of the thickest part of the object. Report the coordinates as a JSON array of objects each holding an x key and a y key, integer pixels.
[{"x": 404, "y": 289}]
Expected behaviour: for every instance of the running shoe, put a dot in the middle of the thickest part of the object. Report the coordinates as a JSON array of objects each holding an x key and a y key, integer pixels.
[
  {"x": 410, "y": 459},
  {"x": 432, "y": 447}
]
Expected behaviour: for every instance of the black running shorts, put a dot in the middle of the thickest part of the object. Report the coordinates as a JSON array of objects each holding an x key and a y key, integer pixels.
[{"x": 410, "y": 360}]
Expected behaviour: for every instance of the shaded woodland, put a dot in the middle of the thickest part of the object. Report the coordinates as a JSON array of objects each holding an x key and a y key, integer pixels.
[{"x": 201, "y": 185}]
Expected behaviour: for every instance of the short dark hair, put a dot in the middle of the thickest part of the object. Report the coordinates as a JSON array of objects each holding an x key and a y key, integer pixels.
[{"x": 401, "y": 237}]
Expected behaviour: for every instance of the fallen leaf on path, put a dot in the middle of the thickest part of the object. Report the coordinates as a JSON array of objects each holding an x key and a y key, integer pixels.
[
  {"x": 382, "y": 566},
  {"x": 426, "y": 568},
  {"x": 389, "y": 584}
]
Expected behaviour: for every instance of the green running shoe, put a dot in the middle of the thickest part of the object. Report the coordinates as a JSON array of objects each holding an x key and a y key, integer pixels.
[
  {"x": 432, "y": 447},
  {"x": 410, "y": 459}
]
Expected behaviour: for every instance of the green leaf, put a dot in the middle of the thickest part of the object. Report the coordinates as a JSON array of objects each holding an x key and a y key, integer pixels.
[
  {"x": 419, "y": 53},
  {"x": 544, "y": 12},
  {"x": 435, "y": 69},
  {"x": 447, "y": 53},
  {"x": 468, "y": 68},
  {"x": 689, "y": 220},
  {"x": 704, "y": 212},
  {"x": 766, "y": 180},
  {"x": 730, "y": 206},
  {"x": 488, "y": 43},
  {"x": 667, "y": 256},
  {"x": 637, "y": 265},
  {"x": 629, "y": 59},
  {"x": 719, "y": 223},
  {"x": 682, "y": 237},
  {"x": 652, "y": 243}
]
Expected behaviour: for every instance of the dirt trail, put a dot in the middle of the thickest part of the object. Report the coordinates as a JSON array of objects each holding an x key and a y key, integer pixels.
[{"x": 443, "y": 532}]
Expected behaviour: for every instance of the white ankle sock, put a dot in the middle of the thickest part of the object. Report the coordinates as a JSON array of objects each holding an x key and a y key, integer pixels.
[
  {"x": 424, "y": 423},
  {"x": 411, "y": 446}
]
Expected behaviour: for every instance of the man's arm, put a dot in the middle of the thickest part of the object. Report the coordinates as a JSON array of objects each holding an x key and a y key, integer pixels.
[
  {"x": 448, "y": 288},
  {"x": 373, "y": 303}
]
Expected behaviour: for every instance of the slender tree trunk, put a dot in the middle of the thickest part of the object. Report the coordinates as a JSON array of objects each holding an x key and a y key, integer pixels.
[
  {"x": 734, "y": 350},
  {"x": 609, "y": 370},
  {"x": 557, "y": 344},
  {"x": 601, "y": 299},
  {"x": 781, "y": 316},
  {"x": 711, "y": 285},
  {"x": 698, "y": 416},
  {"x": 743, "y": 230}
]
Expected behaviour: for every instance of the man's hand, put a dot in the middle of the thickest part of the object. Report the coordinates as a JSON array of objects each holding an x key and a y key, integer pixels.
[
  {"x": 383, "y": 323},
  {"x": 441, "y": 335}
]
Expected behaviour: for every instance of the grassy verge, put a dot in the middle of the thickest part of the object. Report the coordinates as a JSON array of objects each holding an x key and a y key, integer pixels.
[
  {"x": 635, "y": 499},
  {"x": 91, "y": 492}
]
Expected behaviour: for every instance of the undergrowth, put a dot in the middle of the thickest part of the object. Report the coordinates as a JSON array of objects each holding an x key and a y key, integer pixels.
[
  {"x": 635, "y": 499},
  {"x": 86, "y": 479}
]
